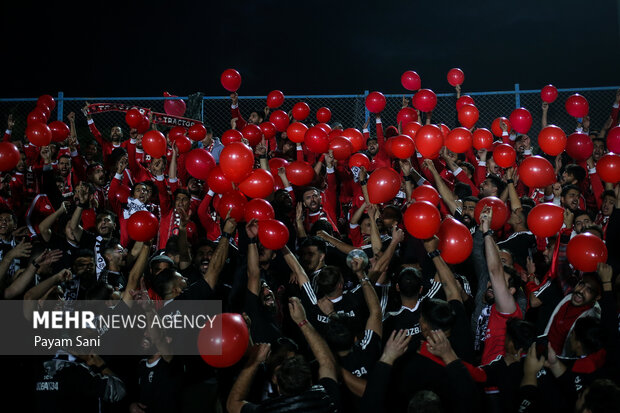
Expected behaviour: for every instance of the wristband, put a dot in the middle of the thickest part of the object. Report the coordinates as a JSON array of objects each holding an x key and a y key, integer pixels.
[
  {"x": 434, "y": 254},
  {"x": 510, "y": 181},
  {"x": 489, "y": 232},
  {"x": 226, "y": 235},
  {"x": 365, "y": 279},
  {"x": 35, "y": 265},
  {"x": 84, "y": 205},
  {"x": 364, "y": 182},
  {"x": 264, "y": 156},
  {"x": 408, "y": 178},
  {"x": 252, "y": 240},
  {"x": 302, "y": 323}
]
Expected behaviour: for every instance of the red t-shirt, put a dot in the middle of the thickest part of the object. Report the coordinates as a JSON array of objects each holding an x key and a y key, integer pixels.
[
  {"x": 562, "y": 323},
  {"x": 496, "y": 334}
]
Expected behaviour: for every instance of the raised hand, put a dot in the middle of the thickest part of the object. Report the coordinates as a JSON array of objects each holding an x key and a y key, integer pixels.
[
  {"x": 485, "y": 218},
  {"x": 258, "y": 353},
  {"x": 439, "y": 345},
  {"x": 10, "y": 122},
  {"x": 296, "y": 309},
  {"x": 251, "y": 228},
  {"x": 396, "y": 346},
  {"x": 48, "y": 257},
  {"x": 21, "y": 250}
]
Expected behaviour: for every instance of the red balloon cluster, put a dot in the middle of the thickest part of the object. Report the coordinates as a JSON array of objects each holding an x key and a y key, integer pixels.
[
  {"x": 552, "y": 140},
  {"x": 383, "y": 185},
  {"x": 9, "y": 156},
  {"x": 608, "y": 168},
  {"x": 545, "y": 220},
  {"x": 236, "y": 161},
  {"x": 410, "y": 129},
  {"x": 134, "y": 117},
  {"x": 585, "y": 251},
  {"x": 426, "y": 193},
  {"x": 259, "y": 184},
  {"x": 410, "y": 80},
  {"x": 422, "y": 219},
  {"x": 341, "y": 148},
  {"x": 402, "y": 146},
  {"x": 497, "y": 129},
  {"x": 536, "y": 172},
  {"x": 359, "y": 160},
  {"x": 482, "y": 139},
  {"x": 225, "y": 342},
  {"x": 199, "y": 162},
  {"x": 323, "y": 115},
  {"x": 456, "y": 77},
  {"x": 233, "y": 201},
  {"x": 280, "y": 120},
  {"x": 231, "y": 80},
  {"x": 455, "y": 241},
  {"x": 499, "y": 208},
  {"x": 425, "y": 100},
  {"x": 275, "y": 99},
  {"x": 300, "y": 111},
  {"x": 218, "y": 182},
  {"x": 577, "y": 106},
  {"x": 197, "y": 132},
  {"x": 521, "y": 120},
  {"x": 468, "y": 116},
  {"x": 175, "y": 133},
  {"x": 406, "y": 115},
  {"x": 60, "y": 131},
  {"x": 296, "y": 132},
  {"x": 154, "y": 143},
  {"x": 375, "y": 102},
  {"x": 268, "y": 129},
  {"x": 316, "y": 140},
  {"x": 504, "y": 155},
  {"x": 37, "y": 115},
  {"x": 299, "y": 173},
  {"x": 272, "y": 234},
  {"x": 230, "y": 136},
  {"x": 459, "y": 140},
  {"x": 579, "y": 146},
  {"x": 258, "y": 209},
  {"x": 429, "y": 140},
  {"x": 142, "y": 226},
  {"x": 549, "y": 94},
  {"x": 464, "y": 100},
  {"x": 39, "y": 134},
  {"x": 46, "y": 101}
]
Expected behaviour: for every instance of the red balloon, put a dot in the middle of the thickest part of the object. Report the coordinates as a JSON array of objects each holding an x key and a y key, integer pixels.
[
  {"x": 316, "y": 140},
  {"x": 383, "y": 185},
  {"x": 426, "y": 193},
  {"x": 280, "y": 120},
  {"x": 252, "y": 133},
  {"x": 464, "y": 100},
  {"x": 459, "y": 140},
  {"x": 133, "y": 118},
  {"x": 197, "y": 132},
  {"x": 154, "y": 143},
  {"x": 268, "y": 129},
  {"x": 468, "y": 116},
  {"x": 579, "y": 146},
  {"x": 60, "y": 131},
  {"x": 585, "y": 251},
  {"x": 359, "y": 159},
  {"x": 497, "y": 130},
  {"x": 299, "y": 173},
  {"x": 545, "y": 220},
  {"x": 230, "y": 136},
  {"x": 410, "y": 129},
  {"x": 429, "y": 140},
  {"x": 422, "y": 219},
  {"x": 425, "y": 100},
  {"x": 144, "y": 124},
  {"x": 142, "y": 226},
  {"x": 402, "y": 146},
  {"x": 47, "y": 100},
  {"x": 39, "y": 134},
  {"x": 504, "y": 155},
  {"x": 199, "y": 162},
  {"x": 300, "y": 111},
  {"x": 499, "y": 208},
  {"x": 456, "y": 77},
  {"x": 608, "y": 168},
  {"x": 406, "y": 115},
  {"x": 334, "y": 133},
  {"x": 323, "y": 115},
  {"x": 236, "y": 161},
  {"x": 536, "y": 172},
  {"x": 325, "y": 127},
  {"x": 174, "y": 107},
  {"x": 272, "y": 234},
  {"x": 549, "y": 94},
  {"x": 482, "y": 139},
  {"x": 9, "y": 156},
  {"x": 259, "y": 184},
  {"x": 184, "y": 144},
  {"x": 613, "y": 139},
  {"x": 341, "y": 147},
  {"x": 445, "y": 130},
  {"x": 176, "y": 133},
  {"x": 521, "y": 120},
  {"x": 275, "y": 99},
  {"x": 217, "y": 181},
  {"x": 410, "y": 80},
  {"x": 233, "y": 201},
  {"x": 455, "y": 241},
  {"x": 44, "y": 110},
  {"x": 36, "y": 116},
  {"x": 577, "y": 106},
  {"x": 354, "y": 136},
  {"x": 375, "y": 102},
  {"x": 296, "y": 132},
  {"x": 231, "y": 80},
  {"x": 224, "y": 343},
  {"x": 552, "y": 140},
  {"x": 258, "y": 209}
]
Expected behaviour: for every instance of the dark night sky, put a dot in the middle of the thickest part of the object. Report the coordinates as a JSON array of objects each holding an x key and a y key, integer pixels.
[{"x": 135, "y": 48}]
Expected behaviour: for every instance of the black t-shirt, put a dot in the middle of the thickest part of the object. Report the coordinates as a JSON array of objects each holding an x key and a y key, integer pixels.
[
  {"x": 59, "y": 242},
  {"x": 407, "y": 319},
  {"x": 324, "y": 397},
  {"x": 160, "y": 385},
  {"x": 364, "y": 355},
  {"x": 262, "y": 328},
  {"x": 519, "y": 244},
  {"x": 95, "y": 243},
  {"x": 460, "y": 334}
]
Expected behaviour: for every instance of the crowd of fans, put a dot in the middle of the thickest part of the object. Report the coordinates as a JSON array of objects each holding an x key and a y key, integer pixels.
[{"x": 391, "y": 329}]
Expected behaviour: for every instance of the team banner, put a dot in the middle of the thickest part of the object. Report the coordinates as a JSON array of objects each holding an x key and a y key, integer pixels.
[
  {"x": 158, "y": 118},
  {"x": 182, "y": 327}
]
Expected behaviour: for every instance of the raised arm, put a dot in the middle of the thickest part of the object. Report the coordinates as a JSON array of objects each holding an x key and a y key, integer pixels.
[
  {"x": 136, "y": 273},
  {"x": 447, "y": 196},
  {"x": 295, "y": 266},
  {"x": 543, "y": 119},
  {"x": 251, "y": 228},
  {"x": 46, "y": 225},
  {"x": 375, "y": 318},
  {"x": 450, "y": 285},
  {"x": 341, "y": 245},
  {"x": 221, "y": 253}
]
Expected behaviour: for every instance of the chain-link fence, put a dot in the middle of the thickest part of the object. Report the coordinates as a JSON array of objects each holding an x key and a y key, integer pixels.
[{"x": 349, "y": 110}]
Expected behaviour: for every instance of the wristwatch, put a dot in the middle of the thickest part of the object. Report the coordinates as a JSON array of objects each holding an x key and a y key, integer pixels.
[
  {"x": 434, "y": 254},
  {"x": 489, "y": 232}
]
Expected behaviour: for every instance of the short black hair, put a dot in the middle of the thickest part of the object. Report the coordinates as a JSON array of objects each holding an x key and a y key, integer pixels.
[
  {"x": 577, "y": 171},
  {"x": 590, "y": 333},
  {"x": 162, "y": 281},
  {"x": 321, "y": 225},
  {"x": 437, "y": 313},
  {"x": 294, "y": 376},
  {"x": 567, "y": 188},
  {"x": 314, "y": 242},
  {"x": 409, "y": 282},
  {"x": 338, "y": 333},
  {"x": 425, "y": 401},
  {"x": 468, "y": 166},
  {"x": 392, "y": 212},
  {"x": 328, "y": 279},
  {"x": 580, "y": 212},
  {"x": 473, "y": 199},
  {"x": 522, "y": 333},
  {"x": 462, "y": 190},
  {"x": 497, "y": 182},
  {"x": 603, "y": 396}
]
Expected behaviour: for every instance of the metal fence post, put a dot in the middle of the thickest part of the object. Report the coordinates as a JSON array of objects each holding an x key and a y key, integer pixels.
[
  {"x": 202, "y": 109},
  {"x": 517, "y": 96},
  {"x": 366, "y": 112},
  {"x": 59, "y": 106}
]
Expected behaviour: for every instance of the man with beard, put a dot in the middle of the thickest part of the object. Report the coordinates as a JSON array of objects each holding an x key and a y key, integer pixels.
[
  {"x": 95, "y": 175},
  {"x": 312, "y": 256},
  {"x": 376, "y": 146},
  {"x": 84, "y": 276},
  {"x": 116, "y": 136},
  {"x": 115, "y": 258},
  {"x": 582, "y": 221},
  {"x": 570, "y": 197},
  {"x": 255, "y": 118},
  {"x": 260, "y": 301},
  {"x": 607, "y": 207},
  {"x": 211, "y": 144}
]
